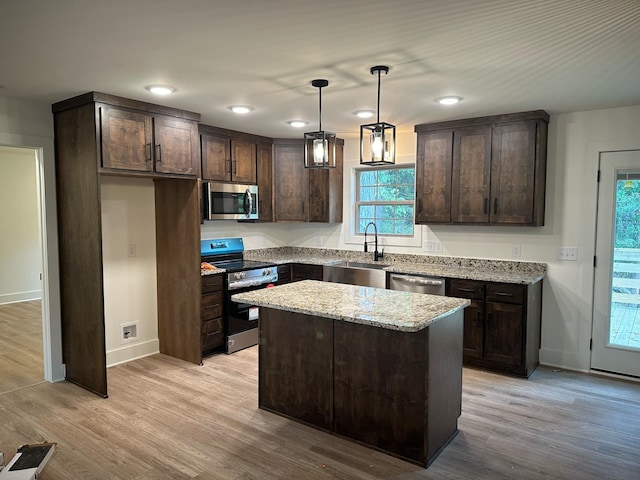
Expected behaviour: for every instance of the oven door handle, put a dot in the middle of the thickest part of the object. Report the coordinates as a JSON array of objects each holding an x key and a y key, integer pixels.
[{"x": 248, "y": 200}]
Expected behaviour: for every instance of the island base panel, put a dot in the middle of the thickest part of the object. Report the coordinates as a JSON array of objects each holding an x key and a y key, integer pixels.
[
  {"x": 295, "y": 359},
  {"x": 398, "y": 392}
]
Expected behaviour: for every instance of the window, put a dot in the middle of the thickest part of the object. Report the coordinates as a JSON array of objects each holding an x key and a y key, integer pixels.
[{"x": 385, "y": 196}]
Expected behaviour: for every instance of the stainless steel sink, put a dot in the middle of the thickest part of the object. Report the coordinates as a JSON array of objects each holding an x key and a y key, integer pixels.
[
  {"x": 375, "y": 266},
  {"x": 356, "y": 273}
]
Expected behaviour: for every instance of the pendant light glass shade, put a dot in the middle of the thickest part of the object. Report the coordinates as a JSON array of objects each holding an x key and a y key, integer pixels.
[
  {"x": 378, "y": 140},
  {"x": 320, "y": 146}
]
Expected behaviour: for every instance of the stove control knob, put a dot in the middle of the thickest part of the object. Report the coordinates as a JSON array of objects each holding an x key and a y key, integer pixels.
[
  {"x": 266, "y": 271},
  {"x": 239, "y": 275}
]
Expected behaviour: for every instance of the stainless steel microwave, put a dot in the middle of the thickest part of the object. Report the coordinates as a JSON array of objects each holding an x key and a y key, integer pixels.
[{"x": 229, "y": 201}]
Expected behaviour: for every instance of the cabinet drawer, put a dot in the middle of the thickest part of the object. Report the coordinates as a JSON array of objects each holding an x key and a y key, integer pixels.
[
  {"x": 211, "y": 306},
  {"x": 466, "y": 289},
  {"x": 212, "y": 334},
  {"x": 284, "y": 274},
  {"x": 211, "y": 283},
  {"x": 505, "y": 293}
]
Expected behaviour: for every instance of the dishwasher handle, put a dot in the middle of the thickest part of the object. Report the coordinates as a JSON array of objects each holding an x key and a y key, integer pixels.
[{"x": 417, "y": 280}]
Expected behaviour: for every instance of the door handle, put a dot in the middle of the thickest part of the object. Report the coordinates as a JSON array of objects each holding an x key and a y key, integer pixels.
[
  {"x": 495, "y": 205},
  {"x": 248, "y": 204},
  {"x": 158, "y": 153}
]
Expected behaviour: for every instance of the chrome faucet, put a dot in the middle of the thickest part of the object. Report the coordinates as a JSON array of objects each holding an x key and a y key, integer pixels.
[{"x": 376, "y": 255}]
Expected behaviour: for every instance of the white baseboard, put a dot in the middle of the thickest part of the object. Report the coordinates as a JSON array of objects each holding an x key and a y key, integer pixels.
[
  {"x": 132, "y": 352},
  {"x": 568, "y": 360},
  {"x": 20, "y": 297}
]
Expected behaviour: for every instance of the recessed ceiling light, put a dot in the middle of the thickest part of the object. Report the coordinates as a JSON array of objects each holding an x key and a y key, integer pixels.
[
  {"x": 297, "y": 123},
  {"x": 161, "y": 89},
  {"x": 364, "y": 113},
  {"x": 241, "y": 109},
  {"x": 448, "y": 100}
]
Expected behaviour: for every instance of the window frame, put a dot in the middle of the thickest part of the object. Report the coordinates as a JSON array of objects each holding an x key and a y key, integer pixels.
[{"x": 351, "y": 234}]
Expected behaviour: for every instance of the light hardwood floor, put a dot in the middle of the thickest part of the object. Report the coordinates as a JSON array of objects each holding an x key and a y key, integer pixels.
[
  {"x": 21, "y": 356},
  {"x": 168, "y": 419}
]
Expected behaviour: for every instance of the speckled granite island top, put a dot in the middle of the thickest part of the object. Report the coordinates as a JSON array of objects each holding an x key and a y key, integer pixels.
[{"x": 393, "y": 310}]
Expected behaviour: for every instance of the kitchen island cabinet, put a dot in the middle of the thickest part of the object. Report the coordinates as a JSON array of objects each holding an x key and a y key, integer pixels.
[{"x": 377, "y": 366}]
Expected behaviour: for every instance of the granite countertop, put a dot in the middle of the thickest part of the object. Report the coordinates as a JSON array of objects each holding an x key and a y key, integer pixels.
[
  {"x": 394, "y": 310},
  {"x": 503, "y": 271}
]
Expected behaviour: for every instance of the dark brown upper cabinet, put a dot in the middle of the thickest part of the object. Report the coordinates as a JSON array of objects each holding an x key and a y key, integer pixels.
[
  {"x": 486, "y": 170},
  {"x": 433, "y": 177},
  {"x": 305, "y": 194},
  {"x": 265, "y": 182},
  {"x": 147, "y": 142},
  {"x": 229, "y": 156}
]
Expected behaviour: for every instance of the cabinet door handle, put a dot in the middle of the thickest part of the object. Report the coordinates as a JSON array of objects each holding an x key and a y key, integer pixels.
[
  {"x": 503, "y": 294},
  {"x": 158, "y": 153},
  {"x": 420, "y": 206},
  {"x": 478, "y": 319},
  {"x": 227, "y": 166},
  {"x": 486, "y": 206},
  {"x": 212, "y": 306},
  {"x": 235, "y": 167},
  {"x": 495, "y": 205},
  {"x": 466, "y": 289},
  {"x": 147, "y": 149}
]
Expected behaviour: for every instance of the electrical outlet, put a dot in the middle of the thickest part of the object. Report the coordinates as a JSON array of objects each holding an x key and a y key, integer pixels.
[
  {"x": 129, "y": 332},
  {"x": 131, "y": 250},
  {"x": 429, "y": 246},
  {"x": 516, "y": 251},
  {"x": 438, "y": 247},
  {"x": 568, "y": 253}
]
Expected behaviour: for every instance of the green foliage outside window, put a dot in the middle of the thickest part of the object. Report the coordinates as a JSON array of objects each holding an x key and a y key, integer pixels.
[
  {"x": 627, "y": 214},
  {"x": 385, "y": 196}
]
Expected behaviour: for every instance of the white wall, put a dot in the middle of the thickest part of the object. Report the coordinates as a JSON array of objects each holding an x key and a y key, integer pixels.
[
  {"x": 20, "y": 252},
  {"x": 130, "y": 291},
  {"x": 30, "y": 124}
]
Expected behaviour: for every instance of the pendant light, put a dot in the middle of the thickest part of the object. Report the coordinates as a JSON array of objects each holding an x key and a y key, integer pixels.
[
  {"x": 378, "y": 140},
  {"x": 320, "y": 146}
]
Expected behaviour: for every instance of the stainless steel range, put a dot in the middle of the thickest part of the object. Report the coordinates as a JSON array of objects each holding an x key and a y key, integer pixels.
[{"x": 240, "y": 319}]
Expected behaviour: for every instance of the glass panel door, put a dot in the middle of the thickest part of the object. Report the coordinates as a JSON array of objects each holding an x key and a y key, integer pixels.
[{"x": 616, "y": 304}]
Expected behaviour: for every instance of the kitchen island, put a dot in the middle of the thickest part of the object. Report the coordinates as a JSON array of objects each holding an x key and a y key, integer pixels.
[{"x": 380, "y": 367}]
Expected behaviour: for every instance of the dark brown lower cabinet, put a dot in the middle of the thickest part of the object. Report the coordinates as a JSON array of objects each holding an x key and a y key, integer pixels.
[
  {"x": 211, "y": 310},
  {"x": 284, "y": 274},
  {"x": 501, "y": 326},
  {"x": 302, "y": 271},
  {"x": 398, "y": 392}
]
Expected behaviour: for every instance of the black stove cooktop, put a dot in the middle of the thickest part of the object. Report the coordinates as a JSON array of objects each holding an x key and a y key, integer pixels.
[{"x": 237, "y": 265}]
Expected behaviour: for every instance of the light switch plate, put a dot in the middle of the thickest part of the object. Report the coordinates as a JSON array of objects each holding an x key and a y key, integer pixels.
[{"x": 568, "y": 253}]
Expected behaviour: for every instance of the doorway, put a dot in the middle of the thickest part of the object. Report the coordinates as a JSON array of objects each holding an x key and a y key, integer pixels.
[
  {"x": 21, "y": 319},
  {"x": 616, "y": 298}
]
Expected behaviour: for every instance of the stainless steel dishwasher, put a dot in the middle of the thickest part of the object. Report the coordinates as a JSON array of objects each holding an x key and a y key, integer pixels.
[{"x": 416, "y": 283}]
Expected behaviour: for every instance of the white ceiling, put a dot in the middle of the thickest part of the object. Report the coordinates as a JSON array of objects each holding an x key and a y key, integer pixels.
[{"x": 501, "y": 56}]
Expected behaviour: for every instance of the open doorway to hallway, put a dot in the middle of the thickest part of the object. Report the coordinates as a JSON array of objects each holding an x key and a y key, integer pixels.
[{"x": 21, "y": 325}]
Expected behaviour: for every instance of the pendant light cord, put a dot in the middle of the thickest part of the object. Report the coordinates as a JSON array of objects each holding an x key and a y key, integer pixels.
[
  {"x": 320, "y": 108},
  {"x": 378, "y": 109}
]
